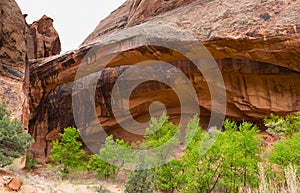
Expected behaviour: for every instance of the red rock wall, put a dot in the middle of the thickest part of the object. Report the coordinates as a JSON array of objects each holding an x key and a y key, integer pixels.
[
  {"x": 254, "y": 90},
  {"x": 12, "y": 60},
  {"x": 256, "y": 45},
  {"x": 42, "y": 39}
]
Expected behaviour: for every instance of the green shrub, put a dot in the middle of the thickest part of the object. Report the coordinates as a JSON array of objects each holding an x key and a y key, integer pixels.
[
  {"x": 111, "y": 157},
  {"x": 13, "y": 140},
  {"x": 230, "y": 164},
  {"x": 282, "y": 127},
  {"x": 161, "y": 131},
  {"x": 67, "y": 152},
  {"x": 161, "y": 135},
  {"x": 140, "y": 181},
  {"x": 232, "y": 161},
  {"x": 169, "y": 176},
  {"x": 103, "y": 169},
  {"x": 30, "y": 163},
  {"x": 287, "y": 151}
]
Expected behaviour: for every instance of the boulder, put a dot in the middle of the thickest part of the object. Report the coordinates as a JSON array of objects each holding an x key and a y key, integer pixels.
[
  {"x": 15, "y": 184},
  {"x": 12, "y": 183}
]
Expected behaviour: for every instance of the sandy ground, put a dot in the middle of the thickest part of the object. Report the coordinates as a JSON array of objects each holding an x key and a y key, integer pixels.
[{"x": 47, "y": 181}]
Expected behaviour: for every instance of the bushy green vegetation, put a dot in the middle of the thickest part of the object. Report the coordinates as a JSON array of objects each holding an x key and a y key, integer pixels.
[
  {"x": 67, "y": 152},
  {"x": 13, "y": 140},
  {"x": 30, "y": 163},
  {"x": 161, "y": 132},
  {"x": 283, "y": 127},
  {"x": 111, "y": 157},
  {"x": 235, "y": 162},
  {"x": 140, "y": 181},
  {"x": 287, "y": 151},
  {"x": 103, "y": 169},
  {"x": 231, "y": 163}
]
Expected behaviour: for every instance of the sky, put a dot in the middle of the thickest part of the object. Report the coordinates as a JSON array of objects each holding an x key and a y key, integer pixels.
[{"x": 73, "y": 20}]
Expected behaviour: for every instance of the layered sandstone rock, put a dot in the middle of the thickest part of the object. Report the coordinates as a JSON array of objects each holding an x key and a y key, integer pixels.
[
  {"x": 256, "y": 46},
  {"x": 246, "y": 30},
  {"x": 133, "y": 12},
  {"x": 12, "y": 60},
  {"x": 42, "y": 39}
]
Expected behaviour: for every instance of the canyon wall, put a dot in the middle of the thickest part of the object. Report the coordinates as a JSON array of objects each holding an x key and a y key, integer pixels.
[
  {"x": 42, "y": 39},
  {"x": 256, "y": 45},
  {"x": 18, "y": 43},
  {"x": 12, "y": 60}
]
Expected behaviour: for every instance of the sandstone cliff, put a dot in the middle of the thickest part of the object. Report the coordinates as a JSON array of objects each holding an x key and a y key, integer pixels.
[
  {"x": 19, "y": 40},
  {"x": 255, "y": 43},
  {"x": 42, "y": 39},
  {"x": 12, "y": 60}
]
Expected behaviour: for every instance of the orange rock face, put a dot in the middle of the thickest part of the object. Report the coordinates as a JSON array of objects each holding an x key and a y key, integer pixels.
[
  {"x": 42, "y": 39},
  {"x": 12, "y": 60},
  {"x": 131, "y": 13},
  {"x": 17, "y": 39},
  {"x": 256, "y": 46},
  {"x": 15, "y": 184}
]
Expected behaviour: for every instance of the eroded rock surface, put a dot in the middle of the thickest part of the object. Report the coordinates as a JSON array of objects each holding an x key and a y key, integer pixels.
[
  {"x": 256, "y": 45},
  {"x": 42, "y": 39},
  {"x": 12, "y": 60}
]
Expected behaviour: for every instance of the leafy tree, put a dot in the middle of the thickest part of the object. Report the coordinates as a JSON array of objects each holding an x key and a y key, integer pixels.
[
  {"x": 162, "y": 135},
  {"x": 161, "y": 131},
  {"x": 287, "y": 152},
  {"x": 201, "y": 172},
  {"x": 116, "y": 152},
  {"x": 13, "y": 140},
  {"x": 230, "y": 164},
  {"x": 110, "y": 158},
  {"x": 67, "y": 151},
  {"x": 169, "y": 177},
  {"x": 283, "y": 127},
  {"x": 241, "y": 155},
  {"x": 103, "y": 169}
]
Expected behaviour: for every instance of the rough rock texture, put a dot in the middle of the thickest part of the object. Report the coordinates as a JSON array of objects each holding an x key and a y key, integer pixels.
[
  {"x": 255, "y": 43},
  {"x": 133, "y": 12},
  {"x": 15, "y": 184},
  {"x": 12, "y": 60},
  {"x": 222, "y": 26},
  {"x": 42, "y": 39}
]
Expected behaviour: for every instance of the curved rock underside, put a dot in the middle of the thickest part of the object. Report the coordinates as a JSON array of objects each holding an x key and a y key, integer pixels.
[{"x": 255, "y": 43}]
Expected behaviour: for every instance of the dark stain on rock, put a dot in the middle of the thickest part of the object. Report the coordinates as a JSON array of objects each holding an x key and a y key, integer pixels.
[
  {"x": 68, "y": 63},
  {"x": 14, "y": 73},
  {"x": 265, "y": 16}
]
